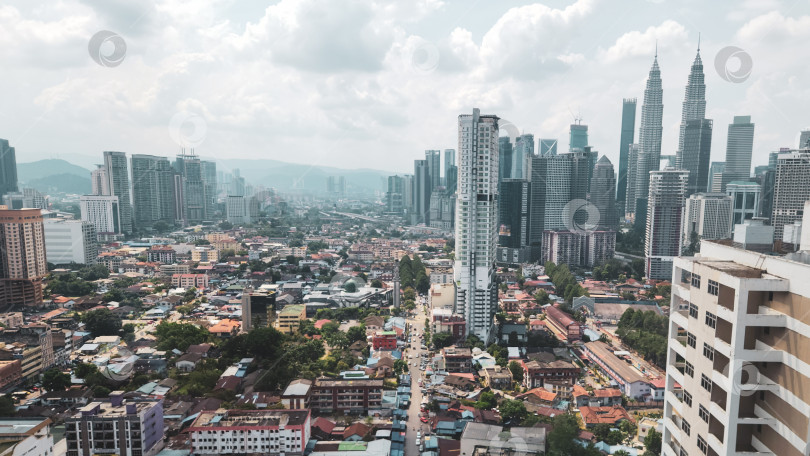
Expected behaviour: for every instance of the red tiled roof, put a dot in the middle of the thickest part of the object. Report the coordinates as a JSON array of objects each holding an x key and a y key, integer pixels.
[{"x": 607, "y": 415}]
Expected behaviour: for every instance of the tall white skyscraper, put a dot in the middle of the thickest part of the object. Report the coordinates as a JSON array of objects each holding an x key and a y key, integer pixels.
[
  {"x": 739, "y": 147},
  {"x": 664, "y": 221},
  {"x": 648, "y": 155},
  {"x": 477, "y": 221}
]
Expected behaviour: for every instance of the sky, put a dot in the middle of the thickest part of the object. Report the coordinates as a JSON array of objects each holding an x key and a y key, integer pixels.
[{"x": 373, "y": 84}]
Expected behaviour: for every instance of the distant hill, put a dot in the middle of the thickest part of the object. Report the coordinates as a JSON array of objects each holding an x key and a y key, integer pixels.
[
  {"x": 54, "y": 176},
  {"x": 286, "y": 176}
]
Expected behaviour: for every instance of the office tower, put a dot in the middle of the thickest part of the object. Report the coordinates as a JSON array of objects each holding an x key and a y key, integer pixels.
[
  {"x": 551, "y": 191},
  {"x": 193, "y": 187},
  {"x": 664, "y": 221},
  {"x": 505, "y": 155},
  {"x": 697, "y": 147},
  {"x": 8, "y": 168},
  {"x": 336, "y": 185},
  {"x": 152, "y": 189},
  {"x": 627, "y": 138},
  {"x": 434, "y": 162},
  {"x": 583, "y": 162},
  {"x": 739, "y": 147},
  {"x": 736, "y": 373},
  {"x": 767, "y": 180},
  {"x": 603, "y": 193},
  {"x": 100, "y": 180},
  {"x": 395, "y": 196},
  {"x": 577, "y": 136},
  {"x": 791, "y": 189},
  {"x": 407, "y": 187},
  {"x": 421, "y": 192},
  {"x": 102, "y": 211},
  {"x": 694, "y": 103},
  {"x": 523, "y": 153},
  {"x": 118, "y": 173},
  {"x": 632, "y": 170},
  {"x": 716, "y": 182},
  {"x": 450, "y": 171},
  {"x": 745, "y": 200},
  {"x": 514, "y": 207},
  {"x": 22, "y": 257},
  {"x": 442, "y": 209},
  {"x": 804, "y": 139},
  {"x": 70, "y": 241},
  {"x": 707, "y": 216},
  {"x": 547, "y": 146},
  {"x": 477, "y": 222},
  {"x": 119, "y": 426},
  {"x": 649, "y": 138},
  {"x": 208, "y": 169},
  {"x": 449, "y": 160}
]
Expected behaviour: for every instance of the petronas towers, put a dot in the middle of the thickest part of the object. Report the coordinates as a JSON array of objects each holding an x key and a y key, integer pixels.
[{"x": 695, "y": 138}]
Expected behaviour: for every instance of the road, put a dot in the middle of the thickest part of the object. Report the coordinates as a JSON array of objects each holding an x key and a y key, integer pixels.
[{"x": 417, "y": 324}]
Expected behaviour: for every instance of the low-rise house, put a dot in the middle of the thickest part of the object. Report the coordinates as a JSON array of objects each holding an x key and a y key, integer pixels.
[
  {"x": 457, "y": 359},
  {"x": 540, "y": 397},
  {"x": 187, "y": 362},
  {"x": 496, "y": 377},
  {"x": 591, "y": 416}
]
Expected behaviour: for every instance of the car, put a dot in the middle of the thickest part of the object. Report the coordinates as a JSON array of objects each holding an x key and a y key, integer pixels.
[
  {"x": 423, "y": 419},
  {"x": 418, "y": 441},
  {"x": 418, "y": 434}
]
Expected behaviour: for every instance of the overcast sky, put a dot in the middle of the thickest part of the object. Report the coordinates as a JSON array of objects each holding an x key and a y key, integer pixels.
[{"x": 372, "y": 84}]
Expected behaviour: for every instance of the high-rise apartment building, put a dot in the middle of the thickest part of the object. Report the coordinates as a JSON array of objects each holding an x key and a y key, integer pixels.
[
  {"x": 739, "y": 147},
  {"x": 791, "y": 188},
  {"x": 152, "y": 189},
  {"x": 118, "y": 174},
  {"x": 395, "y": 196},
  {"x": 708, "y": 216},
  {"x": 335, "y": 185},
  {"x": 737, "y": 376},
  {"x": 70, "y": 241},
  {"x": 745, "y": 200},
  {"x": 23, "y": 262},
  {"x": 8, "y": 168},
  {"x": 193, "y": 200},
  {"x": 664, "y": 221},
  {"x": 208, "y": 170},
  {"x": 514, "y": 216},
  {"x": 434, "y": 162},
  {"x": 421, "y": 192},
  {"x": 102, "y": 211},
  {"x": 603, "y": 193},
  {"x": 626, "y": 139},
  {"x": 696, "y": 154},
  {"x": 477, "y": 222},
  {"x": 100, "y": 180},
  {"x": 648, "y": 157}
]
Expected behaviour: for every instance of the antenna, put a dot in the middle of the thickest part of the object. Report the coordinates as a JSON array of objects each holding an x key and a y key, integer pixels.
[{"x": 698, "y": 42}]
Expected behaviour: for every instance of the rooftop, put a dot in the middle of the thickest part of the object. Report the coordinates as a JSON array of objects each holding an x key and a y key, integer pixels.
[{"x": 251, "y": 418}]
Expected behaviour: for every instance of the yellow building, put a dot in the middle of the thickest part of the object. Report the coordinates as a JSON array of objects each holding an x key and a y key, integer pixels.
[
  {"x": 204, "y": 254},
  {"x": 290, "y": 318}
]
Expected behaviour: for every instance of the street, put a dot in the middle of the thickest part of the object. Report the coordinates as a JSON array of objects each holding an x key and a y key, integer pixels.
[{"x": 417, "y": 324}]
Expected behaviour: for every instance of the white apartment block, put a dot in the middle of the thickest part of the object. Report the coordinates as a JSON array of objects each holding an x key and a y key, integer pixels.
[
  {"x": 477, "y": 221},
  {"x": 70, "y": 241},
  {"x": 708, "y": 215},
  {"x": 738, "y": 368},
  {"x": 250, "y": 432},
  {"x": 102, "y": 211}
]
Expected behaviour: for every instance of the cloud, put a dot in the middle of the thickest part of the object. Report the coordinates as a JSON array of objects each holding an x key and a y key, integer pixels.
[
  {"x": 635, "y": 44},
  {"x": 773, "y": 27}
]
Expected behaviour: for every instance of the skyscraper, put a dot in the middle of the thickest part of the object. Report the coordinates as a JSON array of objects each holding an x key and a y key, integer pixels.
[
  {"x": 450, "y": 168},
  {"x": 152, "y": 189},
  {"x": 421, "y": 192},
  {"x": 745, "y": 200},
  {"x": 209, "y": 178},
  {"x": 716, "y": 170},
  {"x": 22, "y": 257},
  {"x": 395, "y": 196},
  {"x": 804, "y": 138},
  {"x": 513, "y": 230},
  {"x": 547, "y": 146},
  {"x": 582, "y": 167},
  {"x": 626, "y": 139},
  {"x": 791, "y": 189},
  {"x": 695, "y": 157},
  {"x": 551, "y": 191},
  {"x": 505, "y": 154},
  {"x": 708, "y": 216},
  {"x": 648, "y": 157},
  {"x": 118, "y": 173},
  {"x": 193, "y": 200},
  {"x": 664, "y": 221},
  {"x": 8, "y": 168},
  {"x": 577, "y": 136},
  {"x": 100, "y": 181},
  {"x": 103, "y": 211},
  {"x": 632, "y": 174},
  {"x": 434, "y": 162},
  {"x": 739, "y": 147},
  {"x": 523, "y": 152},
  {"x": 694, "y": 102},
  {"x": 477, "y": 222},
  {"x": 603, "y": 193}
]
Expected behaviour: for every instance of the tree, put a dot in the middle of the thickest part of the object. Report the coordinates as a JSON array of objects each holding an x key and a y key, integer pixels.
[
  {"x": 512, "y": 410},
  {"x": 350, "y": 287},
  {"x": 82, "y": 370},
  {"x": 179, "y": 335},
  {"x": 226, "y": 225},
  {"x": 400, "y": 367},
  {"x": 653, "y": 441},
  {"x": 55, "y": 380},
  {"x": 517, "y": 371},
  {"x": 541, "y": 297},
  {"x": 7, "y": 406},
  {"x": 376, "y": 283},
  {"x": 562, "y": 440},
  {"x": 442, "y": 339},
  {"x": 486, "y": 401},
  {"x": 102, "y": 322}
]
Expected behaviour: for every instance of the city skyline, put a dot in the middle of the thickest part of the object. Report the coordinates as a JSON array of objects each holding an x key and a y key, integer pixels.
[{"x": 415, "y": 57}]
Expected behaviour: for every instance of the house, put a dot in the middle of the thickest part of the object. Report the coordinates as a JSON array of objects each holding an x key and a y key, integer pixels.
[
  {"x": 321, "y": 428},
  {"x": 551, "y": 375},
  {"x": 607, "y": 397},
  {"x": 496, "y": 377},
  {"x": 355, "y": 432},
  {"x": 200, "y": 349},
  {"x": 74, "y": 397},
  {"x": 540, "y": 397},
  {"x": 592, "y": 416},
  {"x": 457, "y": 359},
  {"x": 562, "y": 325},
  {"x": 225, "y": 328},
  {"x": 460, "y": 381},
  {"x": 187, "y": 362},
  {"x": 296, "y": 395}
]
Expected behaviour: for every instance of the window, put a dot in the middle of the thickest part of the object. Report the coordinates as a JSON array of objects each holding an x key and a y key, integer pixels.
[
  {"x": 690, "y": 339},
  {"x": 682, "y": 452},
  {"x": 708, "y": 351},
  {"x": 711, "y": 320},
  {"x": 689, "y": 369},
  {"x": 685, "y": 426},
  {"x": 705, "y": 382},
  {"x": 704, "y": 414},
  {"x": 714, "y": 288},
  {"x": 695, "y": 280},
  {"x": 686, "y": 277},
  {"x": 687, "y": 398},
  {"x": 693, "y": 310},
  {"x": 704, "y": 448}
]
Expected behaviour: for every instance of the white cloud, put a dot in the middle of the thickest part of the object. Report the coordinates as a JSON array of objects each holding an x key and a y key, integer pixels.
[{"x": 635, "y": 44}]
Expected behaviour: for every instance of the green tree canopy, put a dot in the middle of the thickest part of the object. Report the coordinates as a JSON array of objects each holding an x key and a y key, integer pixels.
[
  {"x": 55, "y": 380},
  {"x": 101, "y": 322},
  {"x": 179, "y": 335}
]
